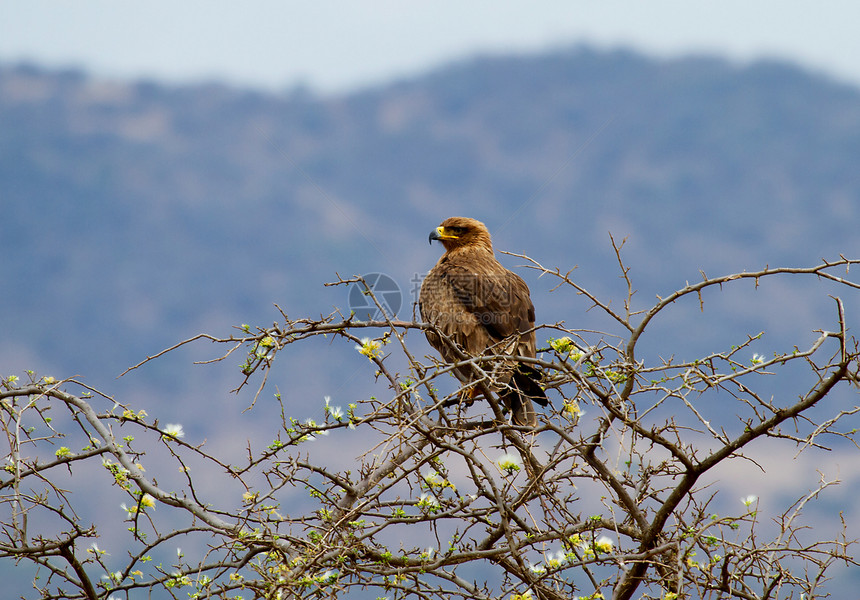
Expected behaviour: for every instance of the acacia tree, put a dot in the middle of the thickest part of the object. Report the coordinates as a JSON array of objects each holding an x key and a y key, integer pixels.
[{"x": 609, "y": 496}]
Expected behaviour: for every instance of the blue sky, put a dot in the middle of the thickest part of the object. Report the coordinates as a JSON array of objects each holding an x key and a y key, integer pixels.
[{"x": 337, "y": 46}]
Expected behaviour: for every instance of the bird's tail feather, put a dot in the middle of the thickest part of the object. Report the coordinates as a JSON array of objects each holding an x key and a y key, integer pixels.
[{"x": 522, "y": 390}]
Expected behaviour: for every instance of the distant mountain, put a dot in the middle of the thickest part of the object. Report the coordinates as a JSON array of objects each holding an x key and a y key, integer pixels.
[{"x": 136, "y": 214}]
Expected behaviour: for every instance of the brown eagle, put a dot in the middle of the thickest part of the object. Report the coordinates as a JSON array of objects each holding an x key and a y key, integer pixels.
[{"x": 484, "y": 309}]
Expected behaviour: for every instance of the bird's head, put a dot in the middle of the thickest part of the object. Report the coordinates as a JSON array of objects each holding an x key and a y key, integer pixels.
[{"x": 461, "y": 232}]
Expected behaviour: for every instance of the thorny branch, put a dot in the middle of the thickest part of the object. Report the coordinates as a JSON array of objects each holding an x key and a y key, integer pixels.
[{"x": 612, "y": 493}]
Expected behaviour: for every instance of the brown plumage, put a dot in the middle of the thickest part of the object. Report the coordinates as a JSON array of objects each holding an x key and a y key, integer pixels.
[{"x": 483, "y": 308}]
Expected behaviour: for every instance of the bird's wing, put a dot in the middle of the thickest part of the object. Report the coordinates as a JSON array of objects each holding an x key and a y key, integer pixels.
[
  {"x": 439, "y": 304},
  {"x": 498, "y": 298}
]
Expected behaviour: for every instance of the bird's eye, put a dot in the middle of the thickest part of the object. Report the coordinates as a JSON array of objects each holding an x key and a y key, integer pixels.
[{"x": 458, "y": 230}]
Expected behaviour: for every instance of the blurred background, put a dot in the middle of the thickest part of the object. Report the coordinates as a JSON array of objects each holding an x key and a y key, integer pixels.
[{"x": 169, "y": 169}]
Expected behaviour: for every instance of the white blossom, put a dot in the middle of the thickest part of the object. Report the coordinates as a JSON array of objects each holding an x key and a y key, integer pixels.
[
  {"x": 173, "y": 430},
  {"x": 749, "y": 500},
  {"x": 509, "y": 462}
]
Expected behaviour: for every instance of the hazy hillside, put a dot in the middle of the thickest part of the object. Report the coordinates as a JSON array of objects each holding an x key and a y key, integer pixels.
[
  {"x": 133, "y": 215},
  {"x": 154, "y": 211}
]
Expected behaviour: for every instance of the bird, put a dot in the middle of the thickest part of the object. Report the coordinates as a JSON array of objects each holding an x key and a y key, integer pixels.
[{"x": 483, "y": 308}]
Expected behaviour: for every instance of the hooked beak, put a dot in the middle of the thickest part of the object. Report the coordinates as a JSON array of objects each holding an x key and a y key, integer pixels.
[{"x": 436, "y": 234}]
